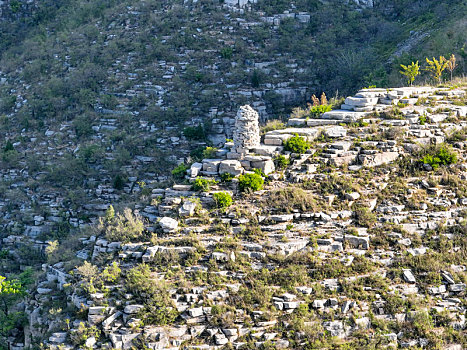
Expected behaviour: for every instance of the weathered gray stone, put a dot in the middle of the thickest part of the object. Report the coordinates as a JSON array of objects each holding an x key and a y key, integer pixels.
[
  {"x": 187, "y": 209},
  {"x": 266, "y": 166},
  {"x": 232, "y": 167},
  {"x": 377, "y": 159},
  {"x": 456, "y": 288},
  {"x": 358, "y": 242},
  {"x": 195, "y": 169},
  {"x": 246, "y": 132},
  {"x": 408, "y": 276},
  {"x": 132, "y": 309},
  {"x": 196, "y": 312},
  {"x": 168, "y": 224},
  {"x": 336, "y": 131}
]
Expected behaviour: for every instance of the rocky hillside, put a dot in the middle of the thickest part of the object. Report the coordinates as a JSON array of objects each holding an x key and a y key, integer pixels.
[
  {"x": 99, "y": 98},
  {"x": 340, "y": 230},
  {"x": 135, "y": 104}
]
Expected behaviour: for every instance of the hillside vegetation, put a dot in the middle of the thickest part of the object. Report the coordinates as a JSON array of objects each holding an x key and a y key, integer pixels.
[{"x": 126, "y": 220}]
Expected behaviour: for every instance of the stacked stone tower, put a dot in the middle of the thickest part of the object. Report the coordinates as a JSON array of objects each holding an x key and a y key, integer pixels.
[{"x": 246, "y": 132}]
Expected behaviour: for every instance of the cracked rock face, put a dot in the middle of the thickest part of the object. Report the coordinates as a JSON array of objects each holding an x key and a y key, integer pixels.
[{"x": 246, "y": 132}]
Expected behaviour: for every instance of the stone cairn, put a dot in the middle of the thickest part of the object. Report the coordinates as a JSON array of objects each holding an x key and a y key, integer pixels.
[{"x": 246, "y": 132}]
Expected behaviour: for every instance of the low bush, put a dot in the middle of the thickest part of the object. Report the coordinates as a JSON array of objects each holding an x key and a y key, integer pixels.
[
  {"x": 281, "y": 162},
  {"x": 83, "y": 333},
  {"x": 271, "y": 125},
  {"x": 438, "y": 156},
  {"x": 422, "y": 119},
  {"x": 317, "y": 111},
  {"x": 296, "y": 144},
  {"x": 226, "y": 177},
  {"x": 197, "y": 153},
  {"x": 194, "y": 132},
  {"x": 119, "y": 182},
  {"x": 204, "y": 185},
  {"x": 124, "y": 227},
  {"x": 364, "y": 217},
  {"x": 222, "y": 199},
  {"x": 250, "y": 182},
  {"x": 209, "y": 152},
  {"x": 458, "y": 135},
  {"x": 290, "y": 198},
  {"x": 153, "y": 294},
  {"x": 180, "y": 171}
]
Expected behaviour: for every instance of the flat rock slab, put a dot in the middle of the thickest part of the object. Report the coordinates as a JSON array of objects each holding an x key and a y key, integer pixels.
[{"x": 344, "y": 115}]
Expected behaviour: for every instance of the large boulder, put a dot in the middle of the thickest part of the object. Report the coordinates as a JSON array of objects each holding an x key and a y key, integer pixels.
[
  {"x": 358, "y": 242},
  {"x": 231, "y": 166},
  {"x": 187, "y": 209},
  {"x": 195, "y": 169},
  {"x": 377, "y": 159},
  {"x": 266, "y": 166},
  {"x": 133, "y": 309},
  {"x": 168, "y": 224}
]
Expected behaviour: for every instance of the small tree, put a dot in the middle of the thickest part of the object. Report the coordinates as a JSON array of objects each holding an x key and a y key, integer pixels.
[
  {"x": 410, "y": 71},
  {"x": 11, "y": 291},
  {"x": 437, "y": 67},
  {"x": 122, "y": 228},
  {"x": 451, "y": 64}
]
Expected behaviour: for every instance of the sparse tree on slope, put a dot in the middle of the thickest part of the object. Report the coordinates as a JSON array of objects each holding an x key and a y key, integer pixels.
[
  {"x": 437, "y": 67},
  {"x": 452, "y": 64},
  {"x": 410, "y": 71}
]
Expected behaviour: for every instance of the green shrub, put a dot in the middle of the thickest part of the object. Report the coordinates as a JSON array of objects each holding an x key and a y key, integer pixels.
[
  {"x": 259, "y": 172},
  {"x": 316, "y": 111},
  {"x": 281, "y": 162},
  {"x": 180, "y": 171},
  {"x": 83, "y": 126},
  {"x": 91, "y": 153},
  {"x": 364, "y": 217},
  {"x": 122, "y": 228},
  {"x": 250, "y": 182},
  {"x": 204, "y": 185},
  {"x": 111, "y": 273},
  {"x": 222, "y": 199},
  {"x": 8, "y": 147},
  {"x": 209, "y": 152},
  {"x": 197, "y": 153},
  {"x": 290, "y": 198},
  {"x": 226, "y": 52},
  {"x": 422, "y": 119},
  {"x": 296, "y": 144},
  {"x": 226, "y": 177},
  {"x": 194, "y": 132},
  {"x": 458, "y": 135},
  {"x": 153, "y": 294},
  {"x": 119, "y": 182},
  {"x": 83, "y": 333},
  {"x": 441, "y": 155},
  {"x": 271, "y": 125}
]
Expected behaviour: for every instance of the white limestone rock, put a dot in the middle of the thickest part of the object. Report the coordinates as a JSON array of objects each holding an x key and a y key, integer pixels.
[
  {"x": 232, "y": 167},
  {"x": 246, "y": 131},
  {"x": 168, "y": 224},
  {"x": 187, "y": 209}
]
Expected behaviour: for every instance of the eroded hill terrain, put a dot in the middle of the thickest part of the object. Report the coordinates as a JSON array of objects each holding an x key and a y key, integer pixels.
[{"x": 338, "y": 230}]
